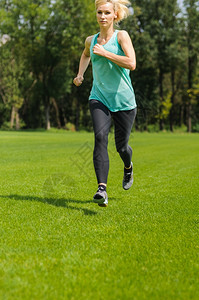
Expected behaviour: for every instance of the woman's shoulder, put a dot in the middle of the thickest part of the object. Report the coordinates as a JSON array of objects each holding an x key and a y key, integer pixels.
[
  {"x": 88, "y": 40},
  {"x": 122, "y": 34}
]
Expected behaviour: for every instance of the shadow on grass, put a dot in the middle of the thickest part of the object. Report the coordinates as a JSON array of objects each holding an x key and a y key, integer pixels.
[{"x": 61, "y": 202}]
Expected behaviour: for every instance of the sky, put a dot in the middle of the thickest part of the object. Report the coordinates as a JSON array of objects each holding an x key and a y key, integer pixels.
[{"x": 180, "y": 2}]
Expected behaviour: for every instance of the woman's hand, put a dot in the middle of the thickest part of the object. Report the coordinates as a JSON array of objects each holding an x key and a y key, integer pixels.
[
  {"x": 78, "y": 80},
  {"x": 99, "y": 50}
]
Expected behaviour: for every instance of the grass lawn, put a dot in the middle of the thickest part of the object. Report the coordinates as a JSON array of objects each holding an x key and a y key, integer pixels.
[{"x": 55, "y": 243}]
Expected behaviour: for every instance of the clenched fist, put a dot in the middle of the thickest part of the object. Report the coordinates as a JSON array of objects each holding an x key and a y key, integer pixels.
[
  {"x": 78, "y": 80},
  {"x": 99, "y": 50}
]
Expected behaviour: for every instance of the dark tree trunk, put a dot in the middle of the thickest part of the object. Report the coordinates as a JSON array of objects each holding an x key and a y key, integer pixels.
[
  {"x": 189, "y": 107},
  {"x": 172, "y": 100},
  {"x": 57, "y": 112},
  {"x": 77, "y": 115},
  {"x": 192, "y": 63},
  {"x": 161, "y": 122}
]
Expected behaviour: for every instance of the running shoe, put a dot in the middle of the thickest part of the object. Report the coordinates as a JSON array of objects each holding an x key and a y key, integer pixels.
[
  {"x": 101, "y": 198},
  {"x": 128, "y": 179}
]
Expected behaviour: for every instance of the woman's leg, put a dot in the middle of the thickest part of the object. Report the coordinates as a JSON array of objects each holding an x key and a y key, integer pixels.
[
  {"x": 101, "y": 119},
  {"x": 123, "y": 121}
]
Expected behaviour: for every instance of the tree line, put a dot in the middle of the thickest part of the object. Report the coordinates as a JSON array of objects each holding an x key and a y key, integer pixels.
[{"x": 40, "y": 46}]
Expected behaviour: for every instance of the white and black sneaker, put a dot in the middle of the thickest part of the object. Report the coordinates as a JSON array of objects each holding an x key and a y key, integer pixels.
[
  {"x": 101, "y": 197},
  {"x": 128, "y": 178}
]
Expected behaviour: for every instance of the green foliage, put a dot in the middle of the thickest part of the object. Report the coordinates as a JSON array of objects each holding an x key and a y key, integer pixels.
[
  {"x": 166, "y": 107},
  {"x": 44, "y": 43}
]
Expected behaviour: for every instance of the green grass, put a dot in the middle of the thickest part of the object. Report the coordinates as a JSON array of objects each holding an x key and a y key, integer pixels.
[{"x": 56, "y": 244}]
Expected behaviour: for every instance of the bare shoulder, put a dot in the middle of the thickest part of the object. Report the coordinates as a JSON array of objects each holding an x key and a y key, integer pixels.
[
  {"x": 123, "y": 36},
  {"x": 88, "y": 41},
  {"x": 87, "y": 45}
]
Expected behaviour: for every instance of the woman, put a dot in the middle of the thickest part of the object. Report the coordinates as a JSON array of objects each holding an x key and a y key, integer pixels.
[{"x": 112, "y": 97}]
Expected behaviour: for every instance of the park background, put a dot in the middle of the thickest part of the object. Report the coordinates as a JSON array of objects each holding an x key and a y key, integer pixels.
[
  {"x": 55, "y": 243},
  {"x": 40, "y": 47}
]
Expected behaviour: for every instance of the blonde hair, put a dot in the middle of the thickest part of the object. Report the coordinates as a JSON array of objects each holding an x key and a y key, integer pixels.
[{"x": 120, "y": 6}]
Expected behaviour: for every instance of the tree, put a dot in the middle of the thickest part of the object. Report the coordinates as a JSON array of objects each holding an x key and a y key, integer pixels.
[
  {"x": 11, "y": 68},
  {"x": 192, "y": 34},
  {"x": 41, "y": 57},
  {"x": 49, "y": 36}
]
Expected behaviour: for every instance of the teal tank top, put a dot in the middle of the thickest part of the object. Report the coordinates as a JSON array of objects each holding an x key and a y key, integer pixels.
[{"x": 111, "y": 83}]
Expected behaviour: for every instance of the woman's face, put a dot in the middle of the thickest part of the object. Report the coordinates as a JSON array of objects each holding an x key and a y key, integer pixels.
[{"x": 106, "y": 14}]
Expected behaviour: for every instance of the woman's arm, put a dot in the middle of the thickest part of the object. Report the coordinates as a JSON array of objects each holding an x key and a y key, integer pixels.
[
  {"x": 84, "y": 62},
  {"x": 128, "y": 61}
]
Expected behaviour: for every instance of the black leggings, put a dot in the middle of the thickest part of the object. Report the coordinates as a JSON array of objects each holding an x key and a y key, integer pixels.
[{"x": 123, "y": 122}]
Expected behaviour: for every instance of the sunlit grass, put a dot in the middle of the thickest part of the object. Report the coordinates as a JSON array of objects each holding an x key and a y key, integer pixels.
[{"x": 57, "y": 244}]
